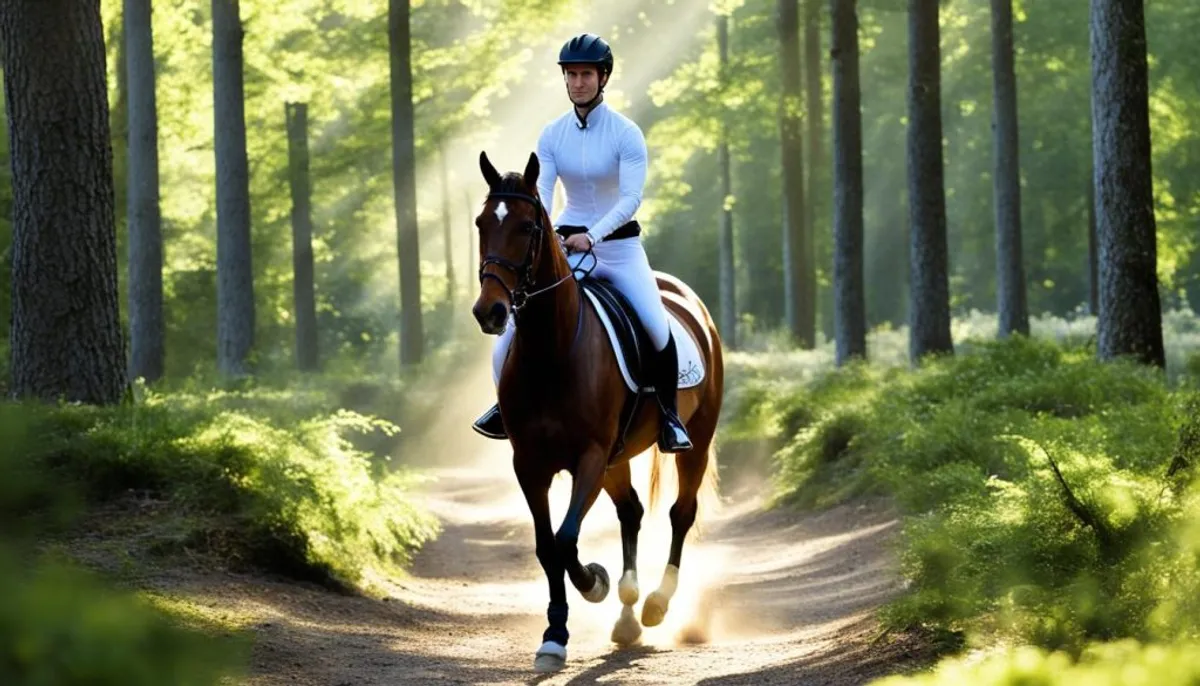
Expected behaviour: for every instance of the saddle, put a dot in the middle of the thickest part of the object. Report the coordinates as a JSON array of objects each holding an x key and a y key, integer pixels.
[{"x": 631, "y": 344}]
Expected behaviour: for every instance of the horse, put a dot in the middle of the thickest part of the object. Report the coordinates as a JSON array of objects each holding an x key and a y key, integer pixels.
[{"x": 561, "y": 394}]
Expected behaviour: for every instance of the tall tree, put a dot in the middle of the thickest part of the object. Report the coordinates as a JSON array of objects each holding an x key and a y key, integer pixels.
[
  {"x": 1130, "y": 322},
  {"x": 404, "y": 173},
  {"x": 929, "y": 292},
  {"x": 1093, "y": 250},
  {"x": 235, "y": 274},
  {"x": 725, "y": 247},
  {"x": 1010, "y": 268},
  {"x": 850, "y": 311},
  {"x": 801, "y": 318},
  {"x": 146, "y": 326},
  {"x": 66, "y": 338},
  {"x": 813, "y": 106},
  {"x": 303, "y": 288}
]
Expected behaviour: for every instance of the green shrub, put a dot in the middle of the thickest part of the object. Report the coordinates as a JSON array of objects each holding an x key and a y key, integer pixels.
[
  {"x": 1124, "y": 663},
  {"x": 61, "y": 627},
  {"x": 293, "y": 497},
  {"x": 1034, "y": 484}
]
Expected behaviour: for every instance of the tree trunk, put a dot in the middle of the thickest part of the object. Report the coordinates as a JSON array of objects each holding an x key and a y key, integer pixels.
[
  {"x": 1010, "y": 269},
  {"x": 816, "y": 171},
  {"x": 404, "y": 173},
  {"x": 1093, "y": 250},
  {"x": 1130, "y": 322},
  {"x": 66, "y": 331},
  {"x": 146, "y": 327},
  {"x": 798, "y": 303},
  {"x": 303, "y": 286},
  {"x": 727, "y": 277},
  {"x": 929, "y": 294},
  {"x": 850, "y": 312},
  {"x": 447, "y": 228},
  {"x": 235, "y": 275}
]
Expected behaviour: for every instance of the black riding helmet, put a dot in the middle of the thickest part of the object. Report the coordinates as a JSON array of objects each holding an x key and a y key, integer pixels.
[{"x": 588, "y": 48}]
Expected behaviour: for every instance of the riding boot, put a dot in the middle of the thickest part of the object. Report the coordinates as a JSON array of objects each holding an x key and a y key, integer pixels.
[
  {"x": 491, "y": 424},
  {"x": 672, "y": 436}
]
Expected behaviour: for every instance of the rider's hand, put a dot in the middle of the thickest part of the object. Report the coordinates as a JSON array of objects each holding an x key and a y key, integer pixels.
[{"x": 579, "y": 243}]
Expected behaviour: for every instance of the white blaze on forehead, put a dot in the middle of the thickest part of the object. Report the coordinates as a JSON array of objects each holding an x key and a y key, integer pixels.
[{"x": 501, "y": 211}]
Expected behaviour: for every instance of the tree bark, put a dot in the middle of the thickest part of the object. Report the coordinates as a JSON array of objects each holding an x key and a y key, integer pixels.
[
  {"x": 1093, "y": 250},
  {"x": 303, "y": 286},
  {"x": 146, "y": 324},
  {"x": 235, "y": 274},
  {"x": 798, "y": 302},
  {"x": 814, "y": 180},
  {"x": 404, "y": 172},
  {"x": 1010, "y": 268},
  {"x": 1130, "y": 322},
  {"x": 66, "y": 338},
  {"x": 727, "y": 271},
  {"x": 850, "y": 312},
  {"x": 929, "y": 295}
]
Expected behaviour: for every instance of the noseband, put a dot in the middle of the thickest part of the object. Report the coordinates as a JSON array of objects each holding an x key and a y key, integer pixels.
[{"x": 517, "y": 297}]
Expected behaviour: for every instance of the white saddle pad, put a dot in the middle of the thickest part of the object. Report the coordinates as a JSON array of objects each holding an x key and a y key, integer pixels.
[{"x": 691, "y": 366}]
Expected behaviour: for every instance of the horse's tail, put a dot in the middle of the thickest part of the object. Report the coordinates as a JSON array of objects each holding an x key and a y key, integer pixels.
[
  {"x": 656, "y": 459},
  {"x": 707, "y": 497}
]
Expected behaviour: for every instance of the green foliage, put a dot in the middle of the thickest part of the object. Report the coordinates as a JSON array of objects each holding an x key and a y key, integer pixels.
[
  {"x": 60, "y": 626},
  {"x": 1053, "y": 83},
  {"x": 1048, "y": 498},
  {"x": 289, "y": 495},
  {"x": 1124, "y": 663}
]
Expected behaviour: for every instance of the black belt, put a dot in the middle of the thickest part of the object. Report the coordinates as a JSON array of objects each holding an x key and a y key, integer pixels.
[{"x": 630, "y": 230}]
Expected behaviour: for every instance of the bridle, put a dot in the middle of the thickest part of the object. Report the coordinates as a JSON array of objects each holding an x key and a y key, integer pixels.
[{"x": 518, "y": 297}]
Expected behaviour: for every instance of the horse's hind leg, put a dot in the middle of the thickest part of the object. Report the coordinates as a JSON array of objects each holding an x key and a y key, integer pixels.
[
  {"x": 692, "y": 467},
  {"x": 618, "y": 485}
]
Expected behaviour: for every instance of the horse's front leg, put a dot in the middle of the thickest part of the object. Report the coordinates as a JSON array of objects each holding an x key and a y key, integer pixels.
[
  {"x": 535, "y": 484},
  {"x": 591, "y": 580}
]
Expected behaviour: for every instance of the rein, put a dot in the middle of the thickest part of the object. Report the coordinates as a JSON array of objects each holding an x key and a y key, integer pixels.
[{"x": 519, "y": 296}]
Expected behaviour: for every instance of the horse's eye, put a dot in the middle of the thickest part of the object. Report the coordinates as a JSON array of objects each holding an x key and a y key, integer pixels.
[{"x": 528, "y": 226}]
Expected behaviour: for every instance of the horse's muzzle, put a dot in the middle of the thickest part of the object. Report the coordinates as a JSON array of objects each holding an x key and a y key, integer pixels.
[{"x": 492, "y": 318}]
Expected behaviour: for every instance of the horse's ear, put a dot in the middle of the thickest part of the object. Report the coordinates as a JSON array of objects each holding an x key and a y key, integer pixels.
[
  {"x": 532, "y": 169},
  {"x": 489, "y": 172}
]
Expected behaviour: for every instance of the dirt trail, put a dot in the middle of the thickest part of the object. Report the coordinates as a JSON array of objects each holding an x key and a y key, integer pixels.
[{"x": 780, "y": 598}]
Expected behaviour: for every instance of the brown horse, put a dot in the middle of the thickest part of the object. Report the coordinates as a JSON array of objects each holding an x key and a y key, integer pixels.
[{"x": 561, "y": 394}]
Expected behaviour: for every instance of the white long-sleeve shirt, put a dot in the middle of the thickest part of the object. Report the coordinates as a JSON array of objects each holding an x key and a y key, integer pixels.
[{"x": 602, "y": 167}]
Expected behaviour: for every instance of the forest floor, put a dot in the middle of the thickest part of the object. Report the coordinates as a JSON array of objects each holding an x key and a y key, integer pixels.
[{"x": 765, "y": 597}]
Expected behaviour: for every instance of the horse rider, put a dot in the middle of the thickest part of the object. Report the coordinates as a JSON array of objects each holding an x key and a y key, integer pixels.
[{"x": 600, "y": 155}]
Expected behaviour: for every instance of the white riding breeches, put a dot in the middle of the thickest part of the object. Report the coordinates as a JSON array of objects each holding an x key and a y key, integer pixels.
[{"x": 623, "y": 263}]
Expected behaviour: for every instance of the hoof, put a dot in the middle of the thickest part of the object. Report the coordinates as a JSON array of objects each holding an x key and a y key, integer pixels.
[
  {"x": 627, "y": 630},
  {"x": 551, "y": 657},
  {"x": 655, "y": 609},
  {"x": 627, "y": 589},
  {"x": 599, "y": 589}
]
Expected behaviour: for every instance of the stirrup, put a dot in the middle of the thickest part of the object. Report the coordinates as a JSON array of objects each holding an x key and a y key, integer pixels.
[{"x": 491, "y": 424}]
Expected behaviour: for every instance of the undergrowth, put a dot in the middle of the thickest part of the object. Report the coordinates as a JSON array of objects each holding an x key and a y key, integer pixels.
[{"x": 1048, "y": 498}]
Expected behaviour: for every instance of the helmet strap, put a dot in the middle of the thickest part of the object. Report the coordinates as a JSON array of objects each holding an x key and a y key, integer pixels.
[{"x": 587, "y": 106}]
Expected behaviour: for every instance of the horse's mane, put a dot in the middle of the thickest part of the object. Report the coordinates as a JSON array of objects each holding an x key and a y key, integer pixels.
[{"x": 512, "y": 182}]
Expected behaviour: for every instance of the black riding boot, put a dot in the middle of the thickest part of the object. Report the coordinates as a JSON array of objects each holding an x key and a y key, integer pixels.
[
  {"x": 672, "y": 436},
  {"x": 491, "y": 424}
]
